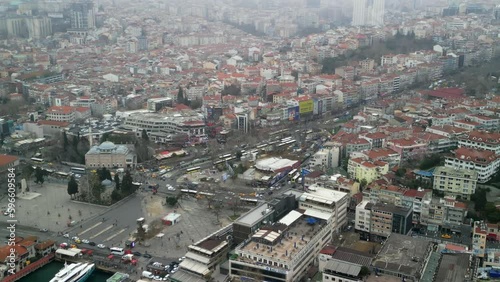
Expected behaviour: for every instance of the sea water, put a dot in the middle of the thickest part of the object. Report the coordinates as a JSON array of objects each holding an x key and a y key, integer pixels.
[{"x": 48, "y": 272}]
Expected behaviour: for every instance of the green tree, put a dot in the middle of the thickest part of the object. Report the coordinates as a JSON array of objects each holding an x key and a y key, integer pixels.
[
  {"x": 171, "y": 201},
  {"x": 141, "y": 232},
  {"x": 431, "y": 161},
  {"x": 127, "y": 186},
  {"x": 480, "y": 200},
  {"x": 180, "y": 95},
  {"x": 72, "y": 187},
  {"x": 76, "y": 140},
  {"x": 39, "y": 175},
  {"x": 96, "y": 187},
  {"x": 401, "y": 172},
  {"x": 363, "y": 183},
  {"x": 365, "y": 271},
  {"x": 27, "y": 172},
  {"x": 116, "y": 195},
  {"x": 65, "y": 141},
  {"x": 238, "y": 155},
  {"x": 144, "y": 135},
  {"x": 117, "y": 182}
]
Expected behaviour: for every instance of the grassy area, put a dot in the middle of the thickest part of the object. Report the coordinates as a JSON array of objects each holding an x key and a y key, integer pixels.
[{"x": 234, "y": 217}]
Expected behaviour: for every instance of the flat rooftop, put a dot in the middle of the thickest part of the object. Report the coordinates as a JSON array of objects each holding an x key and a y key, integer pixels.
[
  {"x": 252, "y": 217},
  {"x": 294, "y": 239},
  {"x": 402, "y": 254},
  {"x": 324, "y": 195},
  {"x": 453, "y": 268}
]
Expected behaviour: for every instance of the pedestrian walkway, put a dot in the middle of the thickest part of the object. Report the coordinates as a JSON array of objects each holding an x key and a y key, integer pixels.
[{"x": 51, "y": 209}]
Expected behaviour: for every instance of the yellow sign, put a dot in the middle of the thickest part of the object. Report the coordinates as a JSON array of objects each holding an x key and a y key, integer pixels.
[{"x": 306, "y": 106}]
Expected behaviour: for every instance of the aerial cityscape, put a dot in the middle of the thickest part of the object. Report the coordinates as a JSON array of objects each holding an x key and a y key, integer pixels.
[{"x": 250, "y": 140}]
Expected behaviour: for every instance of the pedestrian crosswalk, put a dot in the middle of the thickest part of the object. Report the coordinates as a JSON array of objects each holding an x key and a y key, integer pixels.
[
  {"x": 102, "y": 231},
  {"x": 114, "y": 235},
  {"x": 90, "y": 228}
]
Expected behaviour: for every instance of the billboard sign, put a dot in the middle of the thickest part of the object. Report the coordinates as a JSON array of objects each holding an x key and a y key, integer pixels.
[
  {"x": 306, "y": 106},
  {"x": 293, "y": 113}
]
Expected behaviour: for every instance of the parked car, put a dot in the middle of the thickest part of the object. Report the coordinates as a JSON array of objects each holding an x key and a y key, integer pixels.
[
  {"x": 85, "y": 241},
  {"x": 137, "y": 254},
  {"x": 92, "y": 243},
  {"x": 446, "y": 236},
  {"x": 44, "y": 230},
  {"x": 147, "y": 255},
  {"x": 101, "y": 246}
]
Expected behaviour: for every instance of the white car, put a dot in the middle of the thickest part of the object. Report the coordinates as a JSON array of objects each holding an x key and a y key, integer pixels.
[
  {"x": 182, "y": 258},
  {"x": 101, "y": 246},
  {"x": 171, "y": 188},
  {"x": 74, "y": 238},
  {"x": 66, "y": 235},
  {"x": 85, "y": 241}
]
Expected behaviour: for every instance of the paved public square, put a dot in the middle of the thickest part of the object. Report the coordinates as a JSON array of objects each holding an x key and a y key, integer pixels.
[{"x": 52, "y": 209}]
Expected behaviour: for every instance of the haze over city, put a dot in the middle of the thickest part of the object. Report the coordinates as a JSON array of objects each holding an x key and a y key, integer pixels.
[{"x": 249, "y": 140}]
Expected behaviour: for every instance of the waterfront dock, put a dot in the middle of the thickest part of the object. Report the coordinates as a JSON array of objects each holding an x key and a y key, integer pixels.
[{"x": 30, "y": 268}]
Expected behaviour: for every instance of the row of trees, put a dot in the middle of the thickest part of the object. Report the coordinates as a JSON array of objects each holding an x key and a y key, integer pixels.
[{"x": 96, "y": 189}]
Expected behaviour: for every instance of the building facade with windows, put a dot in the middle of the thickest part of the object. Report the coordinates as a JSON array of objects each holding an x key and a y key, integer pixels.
[
  {"x": 456, "y": 182},
  {"x": 110, "y": 155}
]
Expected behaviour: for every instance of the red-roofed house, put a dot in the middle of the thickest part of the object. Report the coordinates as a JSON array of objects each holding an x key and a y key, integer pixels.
[
  {"x": 61, "y": 113},
  {"x": 408, "y": 147},
  {"x": 360, "y": 169},
  {"x": 8, "y": 161}
]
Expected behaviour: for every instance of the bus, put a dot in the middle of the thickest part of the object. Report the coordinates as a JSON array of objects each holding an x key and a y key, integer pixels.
[
  {"x": 189, "y": 192},
  {"x": 249, "y": 201},
  {"x": 37, "y": 160},
  {"x": 78, "y": 170},
  {"x": 223, "y": 157},
  {"x": 296, "y": 178},
  {"x": 117, "y": 251},
  {"x": 291, "y": 173},
  {"x": 61, "y": 174},
  {"x": 219, "y": 162},
  {"x": 193, "y": 169}
]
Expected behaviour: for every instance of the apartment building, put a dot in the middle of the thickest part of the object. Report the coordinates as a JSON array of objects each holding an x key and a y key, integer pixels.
[
  {"x": 456, "y": 182},
  {"x": 67, "y": 113},
  {"x": 446, "y": 212},
  {"x": 485, "y": 163},
  {"x": 479, "y": 239},
  {"x": 483, "y": 140},
  {"x": 379, "y": 154},
  {"x": 360, "y": 169},
  {"x": 326, "y": 158},
  {"x": 408, "y": 148},
  {"x": 486, "y": 122}
]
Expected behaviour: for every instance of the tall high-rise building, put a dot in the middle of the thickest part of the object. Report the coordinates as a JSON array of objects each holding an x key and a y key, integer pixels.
[
  {"x": 82, "y": 15},
  {"x": 39, "y": 27},
  {"x": 368, "y": 12}
]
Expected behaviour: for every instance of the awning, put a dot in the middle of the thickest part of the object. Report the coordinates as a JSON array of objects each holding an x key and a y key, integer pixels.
[
  {"x": 70, "y": 253},
  {"x": 194, "y": 266},
  {"x": 318, "y": 214}
]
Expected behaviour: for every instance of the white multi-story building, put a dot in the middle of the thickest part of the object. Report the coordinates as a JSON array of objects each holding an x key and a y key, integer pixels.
[
  {"x": 367, "y": 12},
  {"x": 481, "y": 140},
  {"x": 362, "y": 220},
  {"x": 326, "y": 158},
  {"x": 485, "y": 163},
  {"x": 189, "y": 123},
  {"x": 284, "y": 251}
]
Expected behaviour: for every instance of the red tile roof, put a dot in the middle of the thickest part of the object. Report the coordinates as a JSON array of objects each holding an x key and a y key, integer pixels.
[{"x": 7, "y": 159}]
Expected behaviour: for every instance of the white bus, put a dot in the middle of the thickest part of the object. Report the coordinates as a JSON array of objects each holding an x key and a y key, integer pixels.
[
  {"x": 295, "y": 179},
  {"x": 291, "y": 173},
  {"x": 117, "y": 251},
  {"x": 224, "y": 156},
  {"x": 193, "y": 169},
  {"x": 78, "y": 170},
  {"x": 37, "y": 160}
]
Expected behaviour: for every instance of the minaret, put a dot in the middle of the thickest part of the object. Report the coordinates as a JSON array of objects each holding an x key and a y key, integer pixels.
[{"x": 91, "y": 139}]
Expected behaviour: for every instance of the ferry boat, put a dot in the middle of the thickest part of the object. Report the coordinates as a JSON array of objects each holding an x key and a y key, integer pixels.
[{"x": 75, "y": 272}]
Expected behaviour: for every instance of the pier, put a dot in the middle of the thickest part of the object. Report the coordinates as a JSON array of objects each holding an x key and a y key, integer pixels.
[{"x": 30, "y": 268}]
